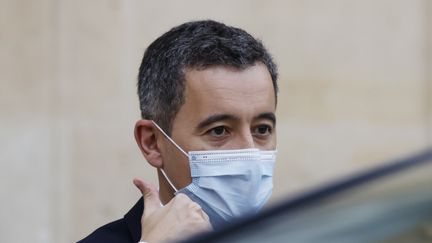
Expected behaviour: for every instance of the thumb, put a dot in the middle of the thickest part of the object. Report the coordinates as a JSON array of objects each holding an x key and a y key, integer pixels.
[{"x": 150, "y": 195}]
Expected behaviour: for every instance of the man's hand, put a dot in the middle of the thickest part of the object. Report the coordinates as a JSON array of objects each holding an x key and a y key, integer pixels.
[{"x": 177, "y": 220}]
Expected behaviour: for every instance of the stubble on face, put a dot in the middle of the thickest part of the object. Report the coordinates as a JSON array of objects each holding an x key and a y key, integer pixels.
[{"x": 240, "y": 101}]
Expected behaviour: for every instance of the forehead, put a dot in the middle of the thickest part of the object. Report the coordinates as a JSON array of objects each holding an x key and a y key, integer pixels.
[{"x": 227, "y": 90}]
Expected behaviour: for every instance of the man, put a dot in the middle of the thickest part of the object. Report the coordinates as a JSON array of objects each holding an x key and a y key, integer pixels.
[{"x": 208, "y": 97}]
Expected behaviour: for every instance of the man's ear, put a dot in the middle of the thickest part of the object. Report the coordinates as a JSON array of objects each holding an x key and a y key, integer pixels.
[{"x": 146, "y": 138}]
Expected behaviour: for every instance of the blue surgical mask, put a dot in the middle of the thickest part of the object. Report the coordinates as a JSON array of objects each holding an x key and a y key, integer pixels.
[{"x": 228, "y": 184}]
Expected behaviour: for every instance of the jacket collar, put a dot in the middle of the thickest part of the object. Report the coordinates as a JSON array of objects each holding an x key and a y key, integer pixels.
[{"x": 133, "y": 219}]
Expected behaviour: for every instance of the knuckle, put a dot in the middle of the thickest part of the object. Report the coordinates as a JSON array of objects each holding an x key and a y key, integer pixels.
[
  {"x": 180, "y": 202},
  {"x": 194, "y": 206},
  {"x": 182, "y": 197}
]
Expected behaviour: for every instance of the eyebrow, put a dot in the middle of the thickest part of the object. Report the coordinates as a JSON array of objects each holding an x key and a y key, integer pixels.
[
  {"x": 216, "y": 118},
  {"x": 268, "y": 116},
  {"x": 224, "y": 117}
]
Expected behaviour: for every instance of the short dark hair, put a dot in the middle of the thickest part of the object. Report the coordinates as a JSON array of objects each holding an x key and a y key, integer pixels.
[{"x": 195, "y": 44}]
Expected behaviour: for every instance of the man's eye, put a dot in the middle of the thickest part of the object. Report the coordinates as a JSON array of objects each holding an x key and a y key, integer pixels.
[
  {"x": 218, "y": 131},
  {"x": 263, "y": 130}
]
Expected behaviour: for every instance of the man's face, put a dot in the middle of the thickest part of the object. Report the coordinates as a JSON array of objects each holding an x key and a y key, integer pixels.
[{"x": 225, "y": 108}]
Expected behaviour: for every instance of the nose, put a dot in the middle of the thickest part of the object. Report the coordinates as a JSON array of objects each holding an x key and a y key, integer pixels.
[{"x": 246, "y": 140}]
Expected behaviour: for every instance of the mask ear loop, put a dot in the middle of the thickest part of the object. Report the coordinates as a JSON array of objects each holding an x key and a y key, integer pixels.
[
  {"x": 169, "y": 181},
  {"x": 172, "y": 141},
  {"x": 178, "y": 147}
]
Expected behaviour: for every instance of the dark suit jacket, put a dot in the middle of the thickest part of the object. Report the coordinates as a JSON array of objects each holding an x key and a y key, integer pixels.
[{"x": 125, "y": 230}]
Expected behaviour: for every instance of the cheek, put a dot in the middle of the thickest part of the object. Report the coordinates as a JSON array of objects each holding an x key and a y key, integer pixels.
[
  {"x": 176, "y": 165},
  {"x": 269, "y": 144},
  {"x": 274, "y": 138},
  {"x": 173, "y": 158},
  {"x": 273, "y": 141}
]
